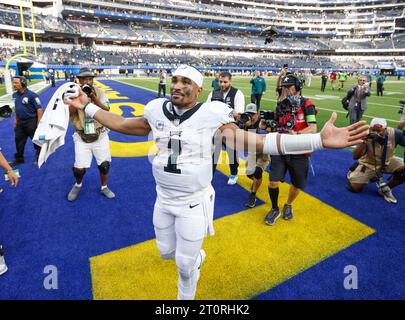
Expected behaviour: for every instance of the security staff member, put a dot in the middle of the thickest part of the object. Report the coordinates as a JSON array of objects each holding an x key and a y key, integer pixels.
[
  {"x": 294, "y": 115},
  {"x": 28, "y": 113},
  {"x": 258, "y": 89},
  {"x": 90, "y": 138},
  {"x": 235, "y": 99},
  {"x": 376, "y": 155}
]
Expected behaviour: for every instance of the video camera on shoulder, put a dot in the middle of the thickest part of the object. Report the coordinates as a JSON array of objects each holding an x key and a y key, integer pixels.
[{"x": 217, "y": 95}]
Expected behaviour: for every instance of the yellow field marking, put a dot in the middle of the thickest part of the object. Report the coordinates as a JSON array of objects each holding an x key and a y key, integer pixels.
[{"x": 244, "y": 258}]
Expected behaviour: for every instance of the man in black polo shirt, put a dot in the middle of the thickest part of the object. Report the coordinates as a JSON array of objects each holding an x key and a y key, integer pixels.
[{"x": 28, "y": 113}]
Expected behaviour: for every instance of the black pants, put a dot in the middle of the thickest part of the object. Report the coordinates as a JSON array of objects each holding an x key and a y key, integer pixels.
[
  {"x": 323, "y": 85},
  {"x": 379, "y": 89},
  {"x": 162, "y": 87},
  {"x": 232, "y": 156},
  {"x": 256, "y": 98},
  {"x": 23, "y": 130}
]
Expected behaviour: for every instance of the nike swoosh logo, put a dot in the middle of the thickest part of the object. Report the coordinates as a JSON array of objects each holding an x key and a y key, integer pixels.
[{"x": 191, "y": 207}]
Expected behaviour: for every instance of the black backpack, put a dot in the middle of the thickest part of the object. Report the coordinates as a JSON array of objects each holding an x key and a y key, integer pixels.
[{"x": 346, "y": 99}]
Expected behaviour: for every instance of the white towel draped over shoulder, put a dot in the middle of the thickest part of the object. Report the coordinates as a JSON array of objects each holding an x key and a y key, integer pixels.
[{"x": 52, "y": 128}]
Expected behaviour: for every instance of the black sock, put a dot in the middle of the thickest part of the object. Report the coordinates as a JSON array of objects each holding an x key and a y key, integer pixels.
[
  {"x": 274, "y": 197},
  {"x": 254, "y": 193}
]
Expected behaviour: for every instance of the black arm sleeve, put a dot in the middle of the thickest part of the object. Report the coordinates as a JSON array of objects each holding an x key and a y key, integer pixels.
[{"x": 400, "y": 137}]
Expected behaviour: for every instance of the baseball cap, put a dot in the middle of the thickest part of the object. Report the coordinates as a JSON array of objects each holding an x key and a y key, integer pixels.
[
  {"x": 251, "y": 107},
  {"x": 190, "y": 73},
  {"x": 378, "y": 121},
  {"x": 85, "y": 72},
  {"x": 289, "y": 80}
]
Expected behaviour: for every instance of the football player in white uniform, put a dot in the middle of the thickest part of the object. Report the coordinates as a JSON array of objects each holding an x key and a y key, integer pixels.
[{"x": 183, "y": 130}]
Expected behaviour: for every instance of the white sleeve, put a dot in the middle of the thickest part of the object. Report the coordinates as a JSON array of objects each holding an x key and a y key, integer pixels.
[
  {"x": 221, "y": 112},
  {"x": 209, "y": 97},
  {"x": 239, "y": 102},
  {"x": 292, "y": 144}
]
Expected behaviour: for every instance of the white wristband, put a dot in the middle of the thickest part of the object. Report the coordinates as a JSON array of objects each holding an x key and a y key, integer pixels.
[
  {"x": 292, "y": 144},
  {"x": 298, "y": 144},
  {"x": 270, "y": 144},
  {"x": 91, "y": 110}
]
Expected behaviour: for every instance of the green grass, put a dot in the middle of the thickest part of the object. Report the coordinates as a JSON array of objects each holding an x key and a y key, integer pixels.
[
  {"x": 3, "y": 87},
  {"x": 326, "y": 102}
]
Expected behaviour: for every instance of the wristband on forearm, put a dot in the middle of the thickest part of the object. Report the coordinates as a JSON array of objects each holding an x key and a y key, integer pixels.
[
  {"x": 276, "y": 144},
  {"x": 90, "y": 109}
]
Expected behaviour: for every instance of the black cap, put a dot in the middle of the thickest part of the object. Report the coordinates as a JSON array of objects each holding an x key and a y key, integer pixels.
[
  {"x": 290, "y": 80},
  {"x": 85, "y": 72}
]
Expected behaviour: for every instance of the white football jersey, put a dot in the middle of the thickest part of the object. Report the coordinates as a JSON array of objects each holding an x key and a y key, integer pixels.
[{"x": 183, "y": 165}]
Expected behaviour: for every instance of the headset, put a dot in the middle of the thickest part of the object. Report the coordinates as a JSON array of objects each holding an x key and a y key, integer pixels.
[
  {"x": 292, "y": 80},
  {"x": 23, "y": 80}
]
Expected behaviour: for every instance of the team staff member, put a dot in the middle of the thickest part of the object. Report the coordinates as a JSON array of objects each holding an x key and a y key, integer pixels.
[
  {"x": 358, "y": 101},
  {"x": 162, "y": 83},
  {"x": 183, "y": 130},
  {"x": 258, "y": 89},
  {"x": 295, "y": 115},
  {"x": 215, "y": 82},
  {"x": 90, "y": 138},
  {"x": 235, "y": 99},
  {"x": 28, "y": 113},
  {"x": 14, "y": 181},
  {"x": 342, "y": 77}
]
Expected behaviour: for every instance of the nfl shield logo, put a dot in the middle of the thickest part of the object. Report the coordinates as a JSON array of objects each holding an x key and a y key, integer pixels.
[{"x": 160, "y": 125}]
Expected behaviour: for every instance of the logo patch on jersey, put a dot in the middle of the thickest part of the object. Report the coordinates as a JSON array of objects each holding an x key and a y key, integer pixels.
[
  {"x": 25, "y": 100},
  {"x": 230, "y": 114},
  {"x": 160, "y": 125},
  {"x": 38, "y": 101}
]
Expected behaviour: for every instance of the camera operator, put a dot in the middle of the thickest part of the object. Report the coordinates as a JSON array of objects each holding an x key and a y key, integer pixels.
[
  {"x": 376, "y": 155},
  {"x": 357, "y": 103},
  {"x": 294, "y": 115},
  {"x": 90, "y": 138},
  {"x": 256, "y": 162},
  {"x": 235, "y": 99}
]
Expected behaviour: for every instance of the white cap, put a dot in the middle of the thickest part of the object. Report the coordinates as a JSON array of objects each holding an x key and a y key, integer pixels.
[
  {"x": 190, "y": 73},
  {"x": 251, "y": 107},
  {"x": 380, "y": 121}
]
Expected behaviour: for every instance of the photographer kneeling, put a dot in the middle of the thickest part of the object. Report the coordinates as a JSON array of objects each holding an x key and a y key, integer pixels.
[
  {"x": 256, "y": 162},
  {"x": 376, "y": 155},
  {"x": 90, "y": 137},
  {"x": 294, "y": 115}
]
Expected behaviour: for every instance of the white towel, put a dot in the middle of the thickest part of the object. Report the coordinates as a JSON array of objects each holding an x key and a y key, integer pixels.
[{"x": 52, "y": 128}]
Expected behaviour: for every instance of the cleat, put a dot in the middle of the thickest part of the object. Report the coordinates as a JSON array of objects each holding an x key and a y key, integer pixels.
[
  {"x": 232, "y": 180},
  {"x": 107, "y": 193},
  {"x": 287, "y": 212},
  {"x": 74, "y": 193}
]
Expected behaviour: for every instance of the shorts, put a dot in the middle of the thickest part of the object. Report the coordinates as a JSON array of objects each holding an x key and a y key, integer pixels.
[
  {"x": 84, "y": 151},
  {"x": 296, "y": 165},
  {"x": 256, "y": 160},
  {"x": 363, "y": 174}
]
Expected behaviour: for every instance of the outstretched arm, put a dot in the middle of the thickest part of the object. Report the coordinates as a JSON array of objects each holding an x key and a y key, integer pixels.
[
  {"x": 133, "y": 126},
  {"x": 275, "y": 144}
]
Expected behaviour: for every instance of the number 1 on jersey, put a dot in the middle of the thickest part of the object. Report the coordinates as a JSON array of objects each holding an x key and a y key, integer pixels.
[{"x": 175, "y": 146}]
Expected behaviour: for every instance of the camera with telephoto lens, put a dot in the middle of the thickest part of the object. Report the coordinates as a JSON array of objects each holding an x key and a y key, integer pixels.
[
  {"x": 401, "y": 106},
  {"x": 87, "y": 89},
  {"x": 376, "y": 138},
  {"x": 217, "y": 95},
  {"x": 245, "y": 117},
  {"x": 269, "y": 119}
]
